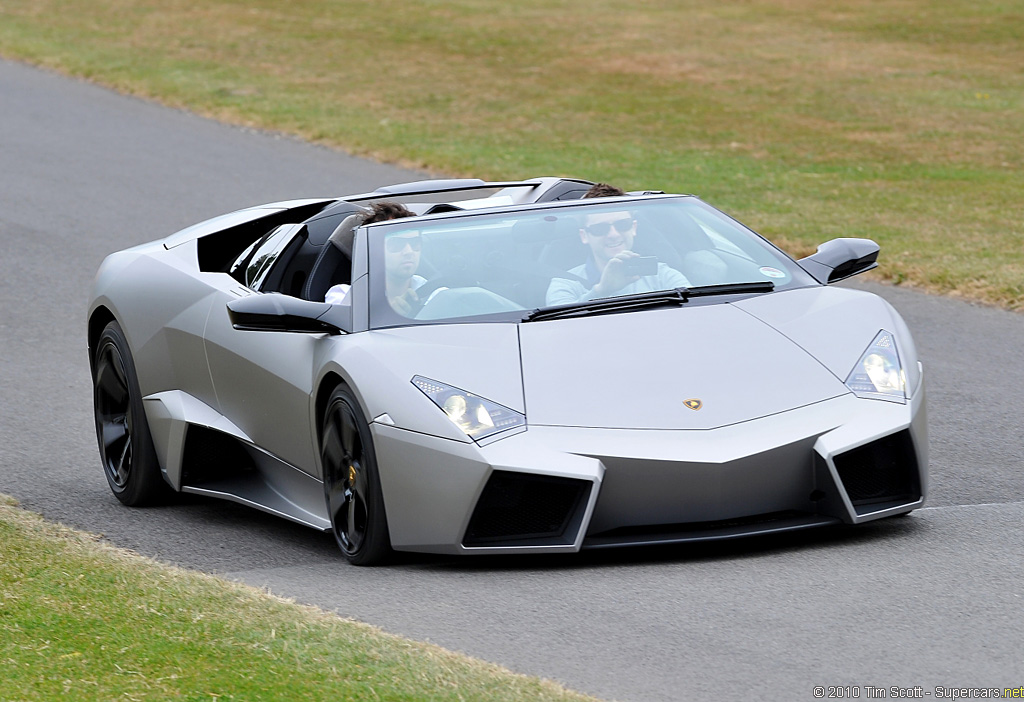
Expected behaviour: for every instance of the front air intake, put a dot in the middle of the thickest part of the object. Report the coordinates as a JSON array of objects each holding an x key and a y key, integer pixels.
[
  {"x": 884, "y": 471},
  {"x": 521, "y": 509}
]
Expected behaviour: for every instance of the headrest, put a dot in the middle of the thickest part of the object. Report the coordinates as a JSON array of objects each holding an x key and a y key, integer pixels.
[{"x": 344, "y": 235}]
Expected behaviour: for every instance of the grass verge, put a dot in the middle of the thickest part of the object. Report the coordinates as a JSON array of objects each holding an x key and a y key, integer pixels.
[
  {"x": 897, "y": 120},
  {"x": 82, "y": 620}
]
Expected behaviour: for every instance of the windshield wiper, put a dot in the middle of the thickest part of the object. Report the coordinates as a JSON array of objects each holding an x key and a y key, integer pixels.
[
  {"x": 730, "y": 288},
  {"x": 658, "y": 298}
]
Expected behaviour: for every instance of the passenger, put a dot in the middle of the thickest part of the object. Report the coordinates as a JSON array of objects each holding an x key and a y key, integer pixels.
[
  {"x": 383, "y": 211},
  {"x": 702, "y": 266},
  {"x": 612, "y": 267},
  {"x": 603, "y": 190},
  {"x": 401, "y": 260}
]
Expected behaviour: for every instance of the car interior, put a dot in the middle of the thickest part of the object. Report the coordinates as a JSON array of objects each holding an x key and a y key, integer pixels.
[{"x": 515, "y": 261}]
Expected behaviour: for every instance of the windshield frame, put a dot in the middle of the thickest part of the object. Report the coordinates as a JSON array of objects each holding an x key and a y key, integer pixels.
[{"x": 382, "y": 316}]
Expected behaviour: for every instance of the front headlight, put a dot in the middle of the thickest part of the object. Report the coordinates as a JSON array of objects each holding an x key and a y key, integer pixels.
[
  {"x": 476, "y": 416},
  {"x": 878, "y": 374}
]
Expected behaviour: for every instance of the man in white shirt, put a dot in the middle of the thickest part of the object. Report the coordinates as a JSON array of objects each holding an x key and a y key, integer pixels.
[{"x": 611, "y": 266}]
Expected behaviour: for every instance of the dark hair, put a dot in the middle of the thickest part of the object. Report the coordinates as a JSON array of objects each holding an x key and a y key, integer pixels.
[
  {"x": 603, "y": 190},
  {"x": 383, "y": 211}
]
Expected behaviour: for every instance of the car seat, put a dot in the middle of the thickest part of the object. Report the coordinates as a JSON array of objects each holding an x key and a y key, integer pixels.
[{"x": 334, "y": 264}]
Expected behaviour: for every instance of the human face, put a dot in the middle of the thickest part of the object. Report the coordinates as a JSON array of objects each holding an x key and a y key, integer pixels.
[
  {"x": 402, "y": 254},
  {"x": 608, "y": 234}
]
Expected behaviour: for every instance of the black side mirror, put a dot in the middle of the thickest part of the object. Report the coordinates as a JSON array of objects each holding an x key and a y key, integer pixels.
[
  {"x": 283, "y": 313},
  {"x": 838, "y": 259}
]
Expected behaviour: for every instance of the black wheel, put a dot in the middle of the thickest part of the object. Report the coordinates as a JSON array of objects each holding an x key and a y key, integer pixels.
[
  {"x": 126, "y": 447},
  {"x": 355, "y": 502}
]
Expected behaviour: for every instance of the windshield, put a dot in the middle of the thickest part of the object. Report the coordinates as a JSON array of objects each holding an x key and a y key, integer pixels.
[{"x": 499, "y": 266}]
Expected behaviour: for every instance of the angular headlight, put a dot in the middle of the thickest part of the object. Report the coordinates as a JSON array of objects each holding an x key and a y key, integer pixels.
[
  {"x": 878, "y": 374},
  {"x": 476, "y": 416}
]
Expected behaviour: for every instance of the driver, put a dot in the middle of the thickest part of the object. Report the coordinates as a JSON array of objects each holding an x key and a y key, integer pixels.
[{"x": 612, "y": 266}]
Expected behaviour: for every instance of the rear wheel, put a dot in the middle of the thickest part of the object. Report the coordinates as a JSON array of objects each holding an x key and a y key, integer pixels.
[
  {"x": 126, "y": 447},
  {"x": 355, "y": 502}
]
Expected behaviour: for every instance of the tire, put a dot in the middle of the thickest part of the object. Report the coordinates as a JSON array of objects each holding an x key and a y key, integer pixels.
[
  {"x": 352, "y": 489},
  {"x": 126, "y": 446}
]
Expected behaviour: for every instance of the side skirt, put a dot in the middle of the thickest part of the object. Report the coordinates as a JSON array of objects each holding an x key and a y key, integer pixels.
[{"x": 202, "y": 453}]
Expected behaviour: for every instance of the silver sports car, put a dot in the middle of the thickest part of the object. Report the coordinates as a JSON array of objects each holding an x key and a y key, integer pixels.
[{"x": 513, "y": 368}]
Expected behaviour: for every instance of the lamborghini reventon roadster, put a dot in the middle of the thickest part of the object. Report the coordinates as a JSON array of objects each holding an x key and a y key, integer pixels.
[{"x": 514, "y": 368}]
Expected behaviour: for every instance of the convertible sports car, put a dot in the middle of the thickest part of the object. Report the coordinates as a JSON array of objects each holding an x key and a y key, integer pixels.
[{"x": 514, "y": 368}]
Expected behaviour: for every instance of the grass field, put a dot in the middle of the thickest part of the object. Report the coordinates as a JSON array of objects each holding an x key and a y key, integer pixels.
[
  {"x": 80, "y": 620},
  {"x": 899, "y": 120}
]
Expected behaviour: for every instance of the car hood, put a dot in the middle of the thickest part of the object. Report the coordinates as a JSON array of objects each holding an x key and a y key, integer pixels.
[
  {"x": 482, "y": 359},
  {"x": 639, "y": 370}
]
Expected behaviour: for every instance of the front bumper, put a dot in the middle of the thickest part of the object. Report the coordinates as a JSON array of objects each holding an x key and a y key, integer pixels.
[{"x": 844, "y": 460}]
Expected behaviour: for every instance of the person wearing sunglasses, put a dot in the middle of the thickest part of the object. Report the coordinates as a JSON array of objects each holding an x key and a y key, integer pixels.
[
  {"x": 612, "y": 267},
  {"x": 401, "y": 260}
]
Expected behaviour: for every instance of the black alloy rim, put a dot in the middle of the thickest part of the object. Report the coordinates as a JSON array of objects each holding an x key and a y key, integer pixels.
[
  {"x": 344, "y": 465},
  {"x": 113, "y": 414}
]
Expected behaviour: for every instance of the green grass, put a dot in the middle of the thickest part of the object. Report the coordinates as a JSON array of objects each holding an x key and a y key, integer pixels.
[
  {"x": 894, "y": 119},
  {"x": 80, "y": 620}
]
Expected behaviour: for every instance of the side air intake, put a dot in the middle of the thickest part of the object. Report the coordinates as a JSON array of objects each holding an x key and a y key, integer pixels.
[
  {"x": 880, "y": 474},
  {"x": 521, "y": 509}
]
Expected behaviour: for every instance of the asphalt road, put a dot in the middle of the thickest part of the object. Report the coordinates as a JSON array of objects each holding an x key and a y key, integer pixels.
[{"x": 934, "y": 599}]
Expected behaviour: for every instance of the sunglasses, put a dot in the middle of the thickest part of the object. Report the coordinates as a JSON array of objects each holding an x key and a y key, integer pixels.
[
  {"x": 397, "y": 244},
  {"x": 604, "y": 228}
]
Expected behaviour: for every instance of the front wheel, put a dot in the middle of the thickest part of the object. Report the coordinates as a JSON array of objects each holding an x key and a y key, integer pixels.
[
  {"x": 126, "y": 447},
  {"x": 355, "y": 501}
]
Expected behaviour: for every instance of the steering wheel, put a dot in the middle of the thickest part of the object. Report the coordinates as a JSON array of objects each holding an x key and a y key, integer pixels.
[{"x": 424, "y": 291}]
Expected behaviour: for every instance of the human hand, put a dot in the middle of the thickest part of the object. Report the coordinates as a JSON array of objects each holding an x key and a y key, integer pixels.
[
  {"x": 405, "y": 303},
  {"x": 616, "y": 275}
]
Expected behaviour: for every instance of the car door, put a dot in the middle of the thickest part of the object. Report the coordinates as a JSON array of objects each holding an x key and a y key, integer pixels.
[{"x": 263, "y": 380}]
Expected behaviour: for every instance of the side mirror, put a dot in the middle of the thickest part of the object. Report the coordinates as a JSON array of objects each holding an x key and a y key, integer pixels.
[
  {"x": 838, "y": 259},
  {"x": 283, "y": 313}
]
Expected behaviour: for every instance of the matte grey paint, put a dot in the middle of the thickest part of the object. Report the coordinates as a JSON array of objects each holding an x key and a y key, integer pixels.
[
  {"x": 602, "y": 396},
  {"x": 835, "y": 325},
  {"x": 633, "y": 371}
]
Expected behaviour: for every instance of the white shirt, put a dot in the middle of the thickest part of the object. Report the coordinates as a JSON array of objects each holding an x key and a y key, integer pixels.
[{"x": 563, "y": 291}]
